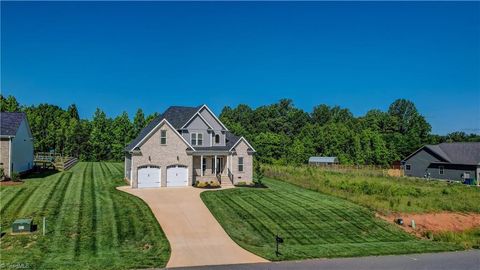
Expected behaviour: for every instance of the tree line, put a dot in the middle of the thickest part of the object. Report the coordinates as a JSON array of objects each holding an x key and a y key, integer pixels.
[
  {"x": 62, "y": 131},
  {"x": 284, "y": 134},
  {"x": 280, "y": 132}
]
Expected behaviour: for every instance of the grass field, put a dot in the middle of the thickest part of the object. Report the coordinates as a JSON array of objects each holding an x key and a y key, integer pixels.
[
  {"x": 312, "y": 224},
  {"x": 383, "y": 194},
  {"x": 90, "y": 225}
]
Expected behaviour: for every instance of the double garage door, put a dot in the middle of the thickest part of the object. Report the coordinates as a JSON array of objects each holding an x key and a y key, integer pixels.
[{"x": 150, "y": 176}]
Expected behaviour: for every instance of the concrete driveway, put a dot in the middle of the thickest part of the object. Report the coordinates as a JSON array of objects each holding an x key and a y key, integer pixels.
[{"x": 195, "y": 236}]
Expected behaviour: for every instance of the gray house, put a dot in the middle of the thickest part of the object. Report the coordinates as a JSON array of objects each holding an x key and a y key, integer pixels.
[
  {"x": 185, "y": 145},
  {"x": 452, "y": 161},
  {"x": 16, "y": 143}
]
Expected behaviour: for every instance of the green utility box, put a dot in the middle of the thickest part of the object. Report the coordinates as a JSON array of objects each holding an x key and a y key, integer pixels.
[{"x": 22, "y": 225}]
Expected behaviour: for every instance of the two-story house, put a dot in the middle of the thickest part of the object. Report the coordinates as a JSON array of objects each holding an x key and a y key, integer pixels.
[{"x": 184, "y": 145}]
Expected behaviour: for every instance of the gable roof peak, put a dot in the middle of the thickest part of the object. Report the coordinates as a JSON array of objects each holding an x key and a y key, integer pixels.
[{"x": 10, "y": 122}]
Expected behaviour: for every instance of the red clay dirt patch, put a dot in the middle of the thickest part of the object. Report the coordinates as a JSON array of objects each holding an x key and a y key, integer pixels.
[
  {"x": 436, "y": 222},
  {"x": 10, "y": 183}
]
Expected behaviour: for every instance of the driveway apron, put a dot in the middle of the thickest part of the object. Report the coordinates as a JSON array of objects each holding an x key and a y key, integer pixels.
[{"x": 195, "y": 236}]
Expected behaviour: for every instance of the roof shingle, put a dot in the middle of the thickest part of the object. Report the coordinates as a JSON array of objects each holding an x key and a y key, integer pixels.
[{"x": 9, "y": 122}]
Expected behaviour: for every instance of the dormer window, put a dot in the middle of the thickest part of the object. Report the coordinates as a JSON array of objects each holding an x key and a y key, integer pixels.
[
  {"x": 217, "y": 138},
  {"x": 196, "y": 139}
]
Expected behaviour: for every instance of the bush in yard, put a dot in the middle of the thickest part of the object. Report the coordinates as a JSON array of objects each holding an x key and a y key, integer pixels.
[
  {"x": 201, "y": 184},
  {"x": 15, "y": 177},
  {"x": 259, "y": 174},
  {"x": 214, "y": 184}
]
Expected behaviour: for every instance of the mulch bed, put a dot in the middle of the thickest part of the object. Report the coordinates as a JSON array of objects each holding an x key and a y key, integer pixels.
[{"x": 10, "y": 183}]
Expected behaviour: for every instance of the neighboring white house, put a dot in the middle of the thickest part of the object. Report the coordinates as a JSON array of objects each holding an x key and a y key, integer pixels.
[
  {"x": 16, "y": 143},
  {"x": 185, "y": 145}
]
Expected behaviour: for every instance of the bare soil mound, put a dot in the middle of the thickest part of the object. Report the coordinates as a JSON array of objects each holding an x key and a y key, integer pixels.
[{"x": 436, "y": 222}]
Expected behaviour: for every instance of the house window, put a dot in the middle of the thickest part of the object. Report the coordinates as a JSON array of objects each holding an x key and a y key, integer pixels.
[
  {"x": 193, "y": 138},
  {"x": 200, "y": 139},
  {"x": 196, "y": 139},
  {"x": 408, "y": 167},
  {"x": 440, "y": 170},
  {"x": 163, "y": 137},
  {"x": 240, "y": 164},
  {"x": 204, "y": 164},
  {"x": 217, "y": 138}
]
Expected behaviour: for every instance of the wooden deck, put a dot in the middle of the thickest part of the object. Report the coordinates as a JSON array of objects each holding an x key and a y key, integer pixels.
[{"x": 54, "y": 161}]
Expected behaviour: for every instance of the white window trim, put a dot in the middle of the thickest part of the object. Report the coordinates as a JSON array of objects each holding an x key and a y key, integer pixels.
[
  {"x": 198, "y": 139},
  {"x": 197, "y": 135},
  {"x": 191, "y": 139},
  {"x": 441, "y": 170},
  {"x": 241, "y": 164},
  {"x": 163, "y": 130}
]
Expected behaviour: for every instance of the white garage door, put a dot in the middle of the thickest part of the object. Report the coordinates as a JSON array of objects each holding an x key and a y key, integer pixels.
[
  {"x": 148, "y": 176},
  {"x": 177, "y": 176}
]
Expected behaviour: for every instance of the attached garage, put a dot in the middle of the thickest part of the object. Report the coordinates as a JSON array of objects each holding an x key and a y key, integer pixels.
[
  {"x": 149, "y": 176},
  {"x": 177, "y": 176}
]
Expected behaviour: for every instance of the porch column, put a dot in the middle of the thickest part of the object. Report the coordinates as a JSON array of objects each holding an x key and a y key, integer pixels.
[
  {"x": 215, "y": 164},
  {"x": 201, "y": 165}
]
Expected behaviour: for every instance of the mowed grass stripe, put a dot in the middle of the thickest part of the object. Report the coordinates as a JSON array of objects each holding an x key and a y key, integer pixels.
[
  {"x": 260, "y": 227},
  {"x": 37, "y": 201},
  {"x": 312, "y": 224},
  {"x": 290, "y": 223},
  {"x": 332, "y": 217},
  {"x": 7, "y": 205},
  {"x": 120, "y": 228},
  {"x": 348, "y": 212},
  {"x": 90, "y": 224},
  {"x": 107, "y": 223}
]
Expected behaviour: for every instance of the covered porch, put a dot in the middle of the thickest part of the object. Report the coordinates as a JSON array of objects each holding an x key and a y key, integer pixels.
[{"x": 212, "y": 166}]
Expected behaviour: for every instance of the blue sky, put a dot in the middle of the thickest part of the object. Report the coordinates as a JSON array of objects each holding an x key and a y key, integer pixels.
[{"x": 363, "y": 55}]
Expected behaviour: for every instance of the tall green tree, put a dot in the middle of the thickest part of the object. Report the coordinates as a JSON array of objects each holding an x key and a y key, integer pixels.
[
  {"x": 100, "y": 137},
  {"x": 138, "y": 123},
  {"x": 9, "y": 104},
  {"x": 121, "y": 129},
  {"x": 73, "y": 112}
]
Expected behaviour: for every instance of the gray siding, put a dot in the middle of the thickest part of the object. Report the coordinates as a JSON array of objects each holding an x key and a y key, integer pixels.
[
  {"x": 22, "y": 149},
  {"x": 424, "y": 162},
  {"x": 211, "y": 119},
  {"x": 451, "y": 171}
]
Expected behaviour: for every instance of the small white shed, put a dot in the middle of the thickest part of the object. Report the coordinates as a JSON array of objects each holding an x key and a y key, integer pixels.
[{"x": 322, "y": 161}]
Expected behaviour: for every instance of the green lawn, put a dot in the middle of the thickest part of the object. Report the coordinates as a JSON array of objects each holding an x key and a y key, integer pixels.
[
  {"x": 383, "y": 194},
  {"x": 313, "y": 225},
  {"x": 89, "y": 223}
]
